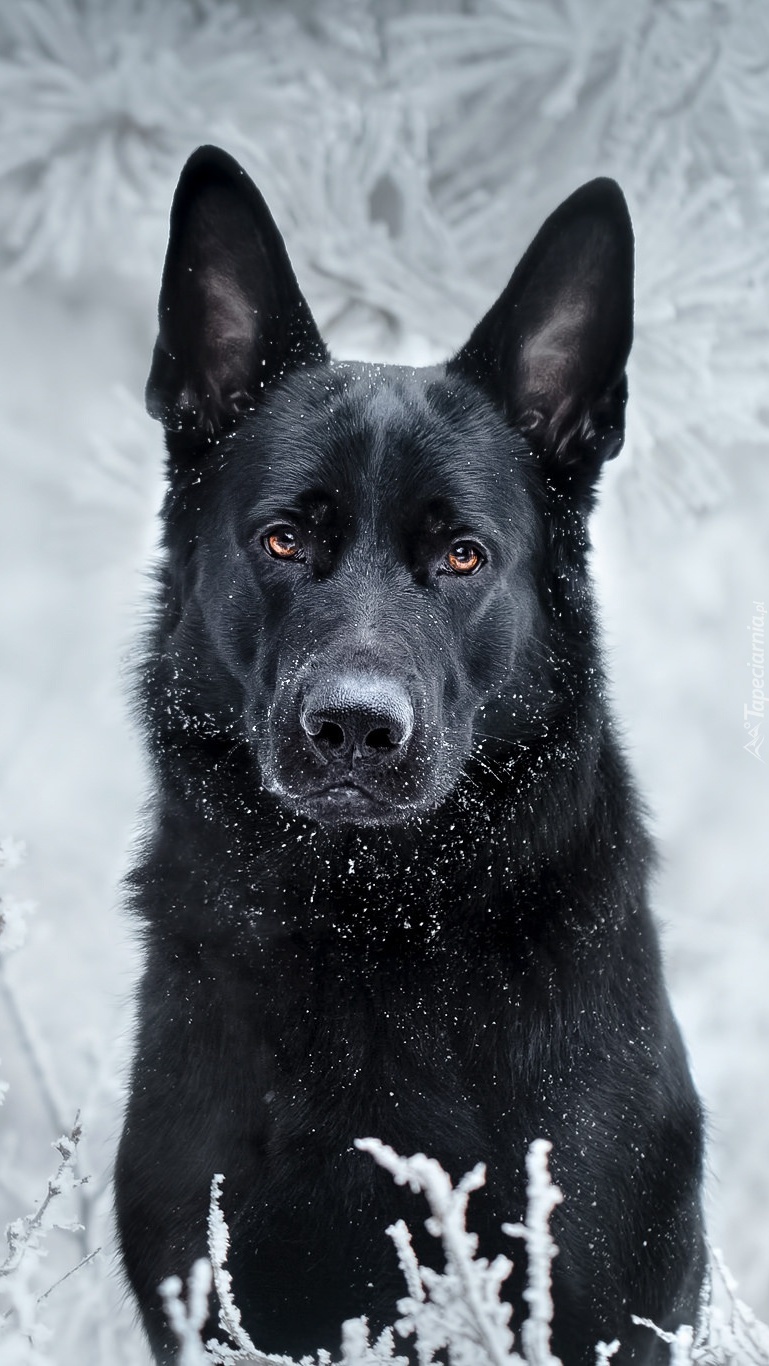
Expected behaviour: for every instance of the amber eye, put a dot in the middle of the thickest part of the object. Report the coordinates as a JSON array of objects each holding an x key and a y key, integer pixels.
[
  {"x": 464, "y": 558},
  {"x": 283, "y": 544}
]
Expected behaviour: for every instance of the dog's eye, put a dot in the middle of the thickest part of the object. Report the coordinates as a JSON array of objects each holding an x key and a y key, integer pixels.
[
  {"x": 464, "y": 558},
  {"x": 283, "y": 544}
]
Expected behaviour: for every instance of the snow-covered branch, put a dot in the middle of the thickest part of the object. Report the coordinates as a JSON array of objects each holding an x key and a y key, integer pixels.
[
  {"x": 460, "y": 1306},
  {"x": 456, "y": 1315},
  {"x": 543, "y": 1197},
  {"x": 21, "y": 1328},
  {"x": 31, "y": 1307}
]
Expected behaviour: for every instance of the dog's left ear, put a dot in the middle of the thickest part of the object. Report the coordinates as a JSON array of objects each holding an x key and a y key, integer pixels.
[
  {"x": 231, "y": 314},
  {"x": 552, "y": 350}
]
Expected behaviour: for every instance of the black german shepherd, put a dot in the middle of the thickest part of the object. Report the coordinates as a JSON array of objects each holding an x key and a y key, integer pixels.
[{"x": 397, "y": 877}]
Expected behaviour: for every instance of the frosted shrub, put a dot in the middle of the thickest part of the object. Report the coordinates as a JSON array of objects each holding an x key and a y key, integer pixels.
[
  {"x": 23, "y": 1334},
  {"x": 728, "y": 1333},
  {"x": 41, "y": 1324},
  {"x": 456, "y": 1316},
  {"x": 24, "y": 1337}
]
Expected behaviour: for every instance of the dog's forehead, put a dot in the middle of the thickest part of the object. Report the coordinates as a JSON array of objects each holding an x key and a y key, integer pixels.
[{"x": 413, "y": 436}]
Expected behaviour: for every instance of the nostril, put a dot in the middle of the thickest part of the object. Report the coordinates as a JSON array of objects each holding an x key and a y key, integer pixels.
[
  {"x": 330, "y": 734},
  {"x": 380, "y": 739},
  {"x": 321, "y": 728}
]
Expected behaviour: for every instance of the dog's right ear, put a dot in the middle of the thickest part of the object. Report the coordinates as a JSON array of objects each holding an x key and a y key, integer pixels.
[
  {"x": 231, "y": 314},
  {"x": 552, "y": 350}
]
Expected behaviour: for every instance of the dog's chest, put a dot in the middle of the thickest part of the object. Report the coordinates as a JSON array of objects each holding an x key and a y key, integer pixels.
[{"x": 392, "y": 1042}]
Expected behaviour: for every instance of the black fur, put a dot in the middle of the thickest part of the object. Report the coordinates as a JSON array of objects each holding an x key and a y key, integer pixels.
[{"x": 397, "y": 877}]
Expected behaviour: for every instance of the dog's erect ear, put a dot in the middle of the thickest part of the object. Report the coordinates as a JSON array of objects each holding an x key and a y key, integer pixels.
[
  {"x": 231, "y": 313},
  {"x": 552, "y": 350}
]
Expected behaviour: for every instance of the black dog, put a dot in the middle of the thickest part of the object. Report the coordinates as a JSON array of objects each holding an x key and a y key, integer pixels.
[{"x": 396, "y": 883}]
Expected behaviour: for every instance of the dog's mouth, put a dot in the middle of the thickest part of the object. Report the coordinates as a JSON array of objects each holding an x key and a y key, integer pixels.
[{"x": 345, "y": 800}]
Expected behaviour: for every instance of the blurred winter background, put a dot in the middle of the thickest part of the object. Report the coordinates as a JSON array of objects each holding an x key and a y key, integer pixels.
[{"x": 408, "y": 151}]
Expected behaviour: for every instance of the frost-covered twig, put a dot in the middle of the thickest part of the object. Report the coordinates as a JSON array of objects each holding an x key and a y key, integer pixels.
[
  {"x": 464, "y": 1302},
  {"x": 407, "y": 1259},
  {"x": 25, "y": 1286},
  {"x": 218, "y": 1248},
  {"x": 542, "y": 1198},
  {"x": 84, "y": 1261},
  {"x": 730, "y": 1336},
  {"x": 14, "y": 919},
  {"x": 21, "y": 1329},
  {"x": 680, "y": 1342},
  {"x": 605, "y": 1351},
  {"x": 23, "y": 1235},
  {"x": 750, "y": 1335},
  {"x": 187, "y": 1319}
]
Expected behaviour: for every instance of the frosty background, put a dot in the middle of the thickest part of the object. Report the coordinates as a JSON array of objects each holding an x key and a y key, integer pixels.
[{"x": 408, "y": 152}]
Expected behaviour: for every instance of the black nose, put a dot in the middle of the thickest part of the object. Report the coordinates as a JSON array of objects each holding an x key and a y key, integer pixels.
[{"x": 353, "y": 718}]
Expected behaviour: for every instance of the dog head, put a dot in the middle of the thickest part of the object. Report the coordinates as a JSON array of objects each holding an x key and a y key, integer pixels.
[{"x": 356, "y": 553}]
